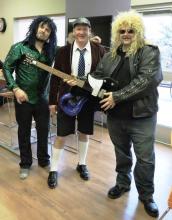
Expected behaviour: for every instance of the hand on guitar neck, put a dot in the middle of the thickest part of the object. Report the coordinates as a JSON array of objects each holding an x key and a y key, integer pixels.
[{"x": 71, "y": 82}]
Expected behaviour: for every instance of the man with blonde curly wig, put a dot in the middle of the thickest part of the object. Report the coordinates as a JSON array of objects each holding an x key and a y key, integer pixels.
[{"x": 132, "y": 108}]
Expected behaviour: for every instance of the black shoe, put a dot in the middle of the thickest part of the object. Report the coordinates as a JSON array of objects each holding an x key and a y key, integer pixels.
[
  {"x": 84, "y": 174},
  {"x": 52, "y": 179},
  {"x": 45, "y": 167},
  {"x": 43, "y": 163},
  {"x": 116, "y": 192},
  {"x": 150, "y": 207}
]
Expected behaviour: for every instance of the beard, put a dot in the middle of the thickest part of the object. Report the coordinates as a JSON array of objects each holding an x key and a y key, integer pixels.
[{"x": 40, "y": 39}]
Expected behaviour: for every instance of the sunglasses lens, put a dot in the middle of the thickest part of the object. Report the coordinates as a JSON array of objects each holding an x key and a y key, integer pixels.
[
  {"x": 129, "y": 31},
  {"x": 122, "y": 31}
]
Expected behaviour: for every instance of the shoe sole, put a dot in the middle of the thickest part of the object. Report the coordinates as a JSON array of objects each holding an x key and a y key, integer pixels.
[{"x": 52, "y": 187}]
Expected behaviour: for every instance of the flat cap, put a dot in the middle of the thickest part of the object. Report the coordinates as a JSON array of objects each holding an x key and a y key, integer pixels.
[{"x": 83, "y": 21}]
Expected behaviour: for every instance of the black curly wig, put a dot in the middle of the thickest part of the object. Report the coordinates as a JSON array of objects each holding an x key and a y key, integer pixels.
[{"x": 50, "y": 45}]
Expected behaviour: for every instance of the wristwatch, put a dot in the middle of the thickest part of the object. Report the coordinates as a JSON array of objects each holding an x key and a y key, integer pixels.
[{"x": 3, "y": 25}]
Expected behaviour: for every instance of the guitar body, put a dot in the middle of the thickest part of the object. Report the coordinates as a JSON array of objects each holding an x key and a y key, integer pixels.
[
  {"x": 71, "y": 104},
  {"x": 109, "y": 85},
  {"x": 95, "y": 87},
  {"x": 81, "y": 95}
]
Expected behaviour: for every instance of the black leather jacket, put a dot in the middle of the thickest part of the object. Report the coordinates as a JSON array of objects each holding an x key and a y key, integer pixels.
[{"x": 145, "y": 73}]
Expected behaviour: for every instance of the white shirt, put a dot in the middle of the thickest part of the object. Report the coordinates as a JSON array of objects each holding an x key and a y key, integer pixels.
[{"x": 75, "y": 59}]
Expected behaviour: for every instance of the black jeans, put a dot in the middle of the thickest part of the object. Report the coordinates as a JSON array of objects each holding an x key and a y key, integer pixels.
[
  {"x": 24, "y": 114},
  {"x": 141, "y": 134}
]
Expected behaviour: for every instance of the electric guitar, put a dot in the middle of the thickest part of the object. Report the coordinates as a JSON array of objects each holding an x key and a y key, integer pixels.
[{"x": 90, "y": 86}]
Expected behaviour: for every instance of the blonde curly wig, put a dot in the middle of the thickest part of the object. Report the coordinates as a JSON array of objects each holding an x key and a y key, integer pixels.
[{"x": 129, "y": 19}]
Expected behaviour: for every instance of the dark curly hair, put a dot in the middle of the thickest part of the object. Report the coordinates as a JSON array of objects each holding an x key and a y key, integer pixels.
[{"x": 50, "y": 45}]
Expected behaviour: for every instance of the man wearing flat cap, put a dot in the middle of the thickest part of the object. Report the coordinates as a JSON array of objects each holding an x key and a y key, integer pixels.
[
  {"x": 82, "y": 21},
  {"x": 68, "y": 61}
]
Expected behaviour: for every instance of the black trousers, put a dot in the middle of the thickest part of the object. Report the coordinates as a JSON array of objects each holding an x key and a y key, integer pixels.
[
  {"x": 139, "y": 133},
  {"x": 24, "y": 114}
]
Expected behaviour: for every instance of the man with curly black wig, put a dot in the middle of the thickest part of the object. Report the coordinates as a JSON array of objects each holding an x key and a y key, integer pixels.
[{"x": 30, "y": 86}]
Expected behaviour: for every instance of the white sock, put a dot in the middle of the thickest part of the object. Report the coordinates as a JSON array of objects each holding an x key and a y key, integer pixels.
[
  {"x": 83, "y": 148},
  {"x": 55, "y": 157}
]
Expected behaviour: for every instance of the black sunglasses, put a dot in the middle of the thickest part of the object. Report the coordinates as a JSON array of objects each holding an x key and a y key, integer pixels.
[{"x": 129, "y": 31}]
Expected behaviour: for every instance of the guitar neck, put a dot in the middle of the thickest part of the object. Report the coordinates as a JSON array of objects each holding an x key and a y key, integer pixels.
[{"x": 58, "y": 73}]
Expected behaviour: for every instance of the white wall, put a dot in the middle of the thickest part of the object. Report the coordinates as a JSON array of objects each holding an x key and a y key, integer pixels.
[
  {"x": 11, "y": 9},
  {"x": 89, "y": 8},
  {"x": 93, "y": 8},
  {"x": 21, "y": 28}
]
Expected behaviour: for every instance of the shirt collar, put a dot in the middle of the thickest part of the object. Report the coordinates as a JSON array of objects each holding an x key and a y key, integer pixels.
[{"x": 87, "y": 46}]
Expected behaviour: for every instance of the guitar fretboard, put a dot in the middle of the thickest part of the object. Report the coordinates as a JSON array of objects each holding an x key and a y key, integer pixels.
[{"x": 58, "y": 73}]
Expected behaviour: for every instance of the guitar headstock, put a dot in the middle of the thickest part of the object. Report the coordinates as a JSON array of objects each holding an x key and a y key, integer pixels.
[
  {"x": 28, "y": 59},
  {"x": 170, "y": 200}
]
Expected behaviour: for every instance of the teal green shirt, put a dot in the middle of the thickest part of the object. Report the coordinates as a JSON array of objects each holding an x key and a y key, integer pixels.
[{"x": 19, "y": 73}]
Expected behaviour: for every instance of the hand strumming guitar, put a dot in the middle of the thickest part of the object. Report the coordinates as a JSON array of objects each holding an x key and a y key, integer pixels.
[{"x": 71, "y": 82}]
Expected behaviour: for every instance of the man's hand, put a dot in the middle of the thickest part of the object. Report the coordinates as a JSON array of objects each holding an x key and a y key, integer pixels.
[
  {"x": 96, "y": 39},
  {"x": 20, "y": 95},
  {"x": 71, "y": 82},
  {"x": 108, "y": 102}
]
